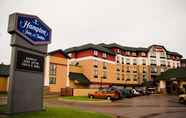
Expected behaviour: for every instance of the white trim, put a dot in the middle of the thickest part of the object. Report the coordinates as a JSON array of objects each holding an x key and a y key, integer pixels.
[
  {"x": 92, "y": 58},
  {"x": 67, "y": 78},
  {"x": 46, "y": 71}
]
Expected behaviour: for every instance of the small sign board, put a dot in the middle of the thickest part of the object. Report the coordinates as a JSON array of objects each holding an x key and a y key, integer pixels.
[
  {"x": 32, "y": 29},
  {"x": 29, "y": 62}
]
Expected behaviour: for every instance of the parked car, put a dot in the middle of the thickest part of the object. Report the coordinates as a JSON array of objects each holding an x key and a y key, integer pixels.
[
  {"x": 182, "y": 98},
  {"x": 135, "y": 93},
  {"x": 151, "y": 90},
  {"x": 142, "y": 91},
  {"x": 127, "y": 93},
  {"x": 105, "y": 94}
]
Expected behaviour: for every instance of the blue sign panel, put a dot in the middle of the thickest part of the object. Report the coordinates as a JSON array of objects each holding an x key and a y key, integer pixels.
[{"x": 33, "y": 30}]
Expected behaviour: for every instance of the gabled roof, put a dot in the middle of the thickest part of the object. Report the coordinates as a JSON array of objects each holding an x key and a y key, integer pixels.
[
  {"x": 4, "y": 70},
  {"x": 115, "y": 45},
  {"x": 59, "y": 51},
  {"x": 89, "y": 46},
  {"x": 179, "y": 73},
  {"x": 174, "y": 53},
  {"x": 79, "y": 77}
]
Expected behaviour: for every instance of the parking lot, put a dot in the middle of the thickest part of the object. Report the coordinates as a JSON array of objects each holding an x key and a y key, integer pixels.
[{"x": 153, "y": 106}]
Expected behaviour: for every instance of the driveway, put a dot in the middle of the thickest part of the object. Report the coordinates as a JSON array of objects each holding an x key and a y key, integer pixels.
[{"x": 153, "y": 106}]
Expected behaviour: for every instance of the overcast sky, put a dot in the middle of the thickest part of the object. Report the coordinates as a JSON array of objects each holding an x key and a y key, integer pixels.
[{"x": 137, "y": 23}]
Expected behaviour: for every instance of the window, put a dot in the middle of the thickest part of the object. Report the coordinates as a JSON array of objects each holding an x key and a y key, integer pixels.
[
  {"x": 153, "y": 61},
  {"x": 95, "y": 63},
  {"x": 122, "y": 60},
  {"x": 178, "y": 65},
  {"x": 95, "y": 53},
  {"x": 153, "y": 69},
  {"x": 104, "y": 55},
  {"x": 143, "y": 61},
  {"x": 144, "y": 69},
  {"x": 162, "y": 69},
  {"x": 168, "y": 56},
  {"x": 127, "y": 60},
  {"x": 169, "y": 64},
  {"x": 153, "y": 54},
  {"x": 134, "y": 54},
  {"x": 135, "y": 69},
  {"x": 118, "y": 67},
  {"x": 135, "y": 61},
  {"x": 128, "y": 68},
  {"x": 117, "y": 59},
  {"x": 123, "y": 77},
  {"x": 52, "y": 74},
  {"x": 143, "y": 54},
  {"x": 95, "y": 73},
  {"x": 127, "y": 53},
  {"x": 70, "y": 54},
  {"x": 105, "y": 74},
  {"x": 118, "y": 76},
  {"x": 135, "y": 78},
  {"x": 162, "y": 55},
  {"x": 128, "y": 78},
  {"x": 162, "y": 62},
  {"x": 105, "y": 64},
  {"x": 118, "y": 50}
]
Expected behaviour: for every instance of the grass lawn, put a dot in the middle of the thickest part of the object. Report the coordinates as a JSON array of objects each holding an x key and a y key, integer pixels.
[
  {"x": 3, "y": 108},
  {"x": 60, "y": 113},
  {"x": 80, "y": 98}
]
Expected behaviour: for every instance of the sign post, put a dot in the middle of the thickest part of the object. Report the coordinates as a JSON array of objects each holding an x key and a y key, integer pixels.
[{"x": 30, "y": 37}]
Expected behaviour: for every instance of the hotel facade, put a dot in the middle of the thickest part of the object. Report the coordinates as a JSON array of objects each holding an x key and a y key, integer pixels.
[{"x": 101, "y": 65}]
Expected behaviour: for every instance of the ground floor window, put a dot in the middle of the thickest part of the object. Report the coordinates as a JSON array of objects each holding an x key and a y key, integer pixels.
[{"x": 52, "y": 74}]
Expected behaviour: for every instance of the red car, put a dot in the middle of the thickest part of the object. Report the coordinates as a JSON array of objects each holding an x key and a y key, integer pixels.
[{"x": 105, "y": 94}]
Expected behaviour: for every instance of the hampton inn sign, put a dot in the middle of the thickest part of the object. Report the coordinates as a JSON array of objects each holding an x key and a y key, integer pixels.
[
  {"x": 33, "y": 29},
  {"x": 30, "y": 37}
]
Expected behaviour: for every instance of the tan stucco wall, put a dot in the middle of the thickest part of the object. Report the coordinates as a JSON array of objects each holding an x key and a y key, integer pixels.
[
  {"x": 61, "y": 73},
  {"x": 3, "y": 84}
]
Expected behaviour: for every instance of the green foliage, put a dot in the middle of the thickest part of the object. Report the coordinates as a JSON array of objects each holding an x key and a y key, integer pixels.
[{"x": 60, "y": 113}]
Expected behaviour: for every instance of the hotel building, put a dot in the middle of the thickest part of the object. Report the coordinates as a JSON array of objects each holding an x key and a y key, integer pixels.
[{"x": 102, "y": 65}]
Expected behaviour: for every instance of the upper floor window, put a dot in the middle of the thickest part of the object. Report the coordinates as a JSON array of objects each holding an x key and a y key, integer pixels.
[
  {"x": 95, "y": 63},
  {"x": 122, "y": 60},
  {"x": 134, "y": 54},
  {"x": 118, "y": 76},
  {"x": 104, "y": 55},
  {"x": 153, "y": 69},
  {"x": 118, "y": 50},
  {"x": 127, "y": 53},
  {"x": 105, "y": 74},
  {"x": 162, "y": 54},
  {"x": 127, "y": 60},
  {"x": 95, "y": 72},
  {"x": 162, "y": 62},
  {"x": 105, "y": 64},
  {"x": 118, "y": 67},
  {"x": 117, "y": 59},
  {"x": 153, "y": 61},
  {"x": 95, "y": 53},
  {"x": 168, "y": 56},
  {"x": 52, "y": 73},
  {"x": 128, "y": 68},
  {"x": 143, "y": 54},
  {"x": 143, "y": 61},
  {"x": 169, "y": 64},
  {"x": 70, "y": 54},
  {"x": 162, "y": 69},
  {"x": 135, "y": 61},
  {"x": 153, "y": 54}
]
